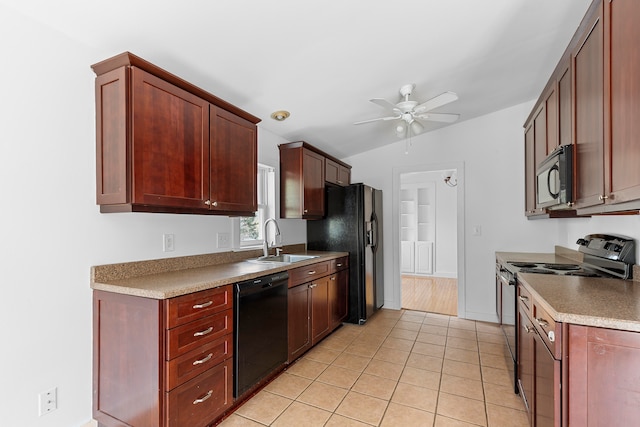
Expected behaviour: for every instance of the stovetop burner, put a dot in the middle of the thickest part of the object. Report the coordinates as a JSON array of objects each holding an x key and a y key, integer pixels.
[
  {"x": 536, "y": 270},
  {"x": 562, "y": 267},
  {"x": 523, "y": 264},
  {"x": 583, "y": 274}
]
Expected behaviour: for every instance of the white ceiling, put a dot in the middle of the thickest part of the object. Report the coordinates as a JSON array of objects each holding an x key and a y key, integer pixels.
[{"x": 324, "y": 60}]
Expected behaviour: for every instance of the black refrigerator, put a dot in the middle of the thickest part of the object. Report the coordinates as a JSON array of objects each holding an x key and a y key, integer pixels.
[{"x": 353, "y": 223}]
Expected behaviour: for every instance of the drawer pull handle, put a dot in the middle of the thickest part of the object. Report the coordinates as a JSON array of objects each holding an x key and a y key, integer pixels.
[
  {"x": 311, "y": 272},
  {"x": 205, "y": 305},
  {"x": 205, "y": 332},
  {"x": 339, "y": 265},
  {"x": 201, "y": 361},
  {"x": 523, "y": 298},
  {"x": 202, "y": 399},
  {"x": 542, "y": 322}
]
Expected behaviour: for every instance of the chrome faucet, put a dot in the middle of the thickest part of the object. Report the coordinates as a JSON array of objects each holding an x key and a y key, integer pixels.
[{"x": 265, "y": 245}]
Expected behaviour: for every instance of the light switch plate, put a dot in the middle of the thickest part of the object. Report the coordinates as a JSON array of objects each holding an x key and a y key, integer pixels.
[{"x": 168, "y": 242}]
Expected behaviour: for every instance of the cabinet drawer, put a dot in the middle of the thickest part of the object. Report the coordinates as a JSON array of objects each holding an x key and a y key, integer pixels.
[
  {"x": 548, "y": 329},
  {"x": 525, "y": 300},
  {"x": 187, "y": 308},
  {"x": 305, "y": 274},
  {"x": 338, "y": 264},
  {"x": 190, "y": 365},
  {"x": 191, "y": 336},
  {"x": 198, "y": 402}
]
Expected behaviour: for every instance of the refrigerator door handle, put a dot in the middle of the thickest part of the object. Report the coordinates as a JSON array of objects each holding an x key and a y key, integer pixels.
[{"x": 374, "y": 232}]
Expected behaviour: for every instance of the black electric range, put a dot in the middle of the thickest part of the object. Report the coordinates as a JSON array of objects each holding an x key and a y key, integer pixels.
[{"x": 604, "y": 255}]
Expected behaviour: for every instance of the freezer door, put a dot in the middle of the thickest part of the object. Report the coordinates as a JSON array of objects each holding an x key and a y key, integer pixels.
[{"x": 369, "y": 255}]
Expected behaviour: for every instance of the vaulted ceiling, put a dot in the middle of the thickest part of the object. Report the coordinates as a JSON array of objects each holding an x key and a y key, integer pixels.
[{"x": 324, "y": 60}]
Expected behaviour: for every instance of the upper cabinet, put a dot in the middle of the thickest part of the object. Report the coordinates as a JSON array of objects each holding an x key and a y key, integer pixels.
[
  {"x": 304, "y": 170},
  {"x": 593, "y": 101},
  {"x": 164, "y": 145}
]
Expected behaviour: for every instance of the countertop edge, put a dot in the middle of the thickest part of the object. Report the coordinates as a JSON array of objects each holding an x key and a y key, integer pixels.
[{"x": 170, "y": 284}]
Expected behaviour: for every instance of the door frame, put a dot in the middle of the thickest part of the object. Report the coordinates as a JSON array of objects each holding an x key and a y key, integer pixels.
[{"x": 460, "y": 249}]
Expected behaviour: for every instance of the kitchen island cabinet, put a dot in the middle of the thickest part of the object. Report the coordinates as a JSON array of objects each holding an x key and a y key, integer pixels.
[{"x": 164, "y": 145}]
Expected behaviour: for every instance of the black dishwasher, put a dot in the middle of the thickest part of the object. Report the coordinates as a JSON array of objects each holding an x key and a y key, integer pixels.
[{"x": 259, "y": 329}]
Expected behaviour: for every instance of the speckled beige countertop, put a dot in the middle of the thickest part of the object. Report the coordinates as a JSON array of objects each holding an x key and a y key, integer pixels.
[
  {"x": 589, "y": 301},
  {"x": 172, "y": 277}
]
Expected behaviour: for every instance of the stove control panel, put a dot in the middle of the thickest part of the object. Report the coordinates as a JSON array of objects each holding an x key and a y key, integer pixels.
[{"x": 609, "y": 246}]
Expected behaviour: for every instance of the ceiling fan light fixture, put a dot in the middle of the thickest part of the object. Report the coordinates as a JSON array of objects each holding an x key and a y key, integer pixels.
[
  {"x": 401, "y": 129},
  {"x": 416, "y": 127},
  {"x": 280, "y": 115}
]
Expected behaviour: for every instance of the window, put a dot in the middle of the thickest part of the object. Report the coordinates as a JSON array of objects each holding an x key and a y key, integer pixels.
[{"x": 249, "y": 230}]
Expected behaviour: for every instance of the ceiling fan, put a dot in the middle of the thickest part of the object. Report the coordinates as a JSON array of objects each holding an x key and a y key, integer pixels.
[{"x": 408, "y": 112}]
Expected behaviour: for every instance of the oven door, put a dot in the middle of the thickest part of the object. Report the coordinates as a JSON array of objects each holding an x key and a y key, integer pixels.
[{"x": 506, "y": 284}]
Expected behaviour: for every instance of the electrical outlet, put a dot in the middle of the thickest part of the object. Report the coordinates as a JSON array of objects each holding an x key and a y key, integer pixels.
[
  {"x": 168, "y": 242},
  {"x": 47, "y": 401},
  {"x": 224, "y": 240}
]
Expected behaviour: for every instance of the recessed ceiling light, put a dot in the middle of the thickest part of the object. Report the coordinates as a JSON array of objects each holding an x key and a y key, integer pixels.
[{"x": 280, "y": 115}]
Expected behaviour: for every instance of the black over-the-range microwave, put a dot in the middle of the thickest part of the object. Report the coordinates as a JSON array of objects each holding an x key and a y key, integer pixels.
[{"x": 554, "y": 186}]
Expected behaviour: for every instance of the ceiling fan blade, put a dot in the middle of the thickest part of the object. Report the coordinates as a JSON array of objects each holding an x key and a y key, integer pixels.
[
  {"x": 377, "y": 119},
  {"x": 384, "y": 104},
  {"x": 435, "y": 102},
  {"x": 439, "y": 117}
]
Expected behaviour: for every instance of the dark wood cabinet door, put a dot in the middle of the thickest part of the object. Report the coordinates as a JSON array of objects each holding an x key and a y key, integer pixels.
[
  {"x": 551, "y": 107},
  {"x": 588, "y": 103},
  {"x": 313, "y": 187},
  {"x": 622, "y": 33},
  {"x": 529, "y": 172},
  {"x": 335, "y": 173},
  {"x": 320, "y": 308},
  {"x": 547, "y": 385},
  {"x": 526, "y": 360},
  {"x": 565, "y": 132},
  {"x": 338, "y": 297},
  {"x": 299, "y": 310},
  {"x": 170, "y": 153},
  {"x": 234, "y": 163},
  {"x": 604, "y": 367}
]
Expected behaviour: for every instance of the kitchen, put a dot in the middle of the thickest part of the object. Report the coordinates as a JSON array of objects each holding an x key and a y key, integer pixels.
[{"x": 55, "y": 248}]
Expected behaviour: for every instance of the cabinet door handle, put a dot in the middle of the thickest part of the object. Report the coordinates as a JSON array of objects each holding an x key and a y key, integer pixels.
[
  {"x": 528, "y": 329},
  {"x": 333, "y": 278},
  {"x": 523, "y": 298},
  {"x": 602, "y": 197},
  {"x": 204, "y": 305},
  {"x": 313, "y": 285},
  {"x": 204, "y": 360},
  {"x": 207, "y": 202},
  {"x": 202, "y": 399},
  {"x": 311, "y": 272},
  {"x": 205, "y": 332},
  {"x": 214, "y": 204},
  {"x": 306, "y": 210},
  {"x": 339, "y": 182},
  {"x": 542, "y": 322},
  {"x": 339, "y": 265}
]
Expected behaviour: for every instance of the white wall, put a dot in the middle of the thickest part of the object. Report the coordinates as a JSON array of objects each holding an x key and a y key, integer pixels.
[
  {"x": 52, "y": 231},
  {"x": 491, "y": 149}
]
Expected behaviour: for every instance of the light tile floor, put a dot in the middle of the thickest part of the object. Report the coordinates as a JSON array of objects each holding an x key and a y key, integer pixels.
[{"x": 402, "y": 368}]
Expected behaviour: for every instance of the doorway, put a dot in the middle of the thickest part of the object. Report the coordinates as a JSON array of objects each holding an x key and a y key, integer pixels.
[{"x": 428, "y": 240}]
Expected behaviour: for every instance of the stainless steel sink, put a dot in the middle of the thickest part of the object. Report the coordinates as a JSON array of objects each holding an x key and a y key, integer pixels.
[{"x": 281, "y": 259}]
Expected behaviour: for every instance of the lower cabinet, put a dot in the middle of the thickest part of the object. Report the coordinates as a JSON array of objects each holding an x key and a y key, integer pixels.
[
  {"x": 539, "y": 362},
  {"x": 162, "y": 363},
  {"x": 317, "y": 303},
  {"x": 604, "y": 377}
]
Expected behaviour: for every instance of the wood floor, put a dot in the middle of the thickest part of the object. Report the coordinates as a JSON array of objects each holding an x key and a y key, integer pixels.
[{"x": 430, "y": 294}]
